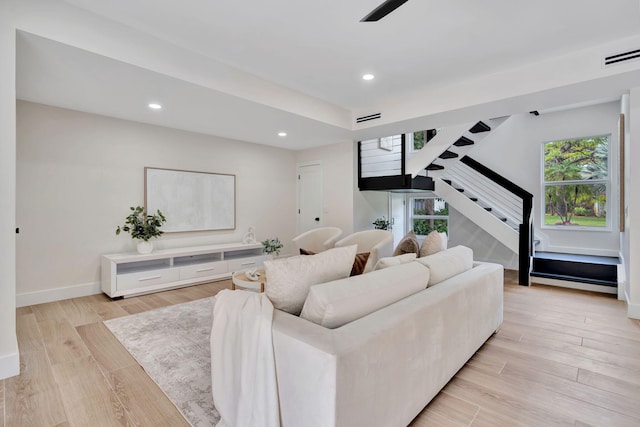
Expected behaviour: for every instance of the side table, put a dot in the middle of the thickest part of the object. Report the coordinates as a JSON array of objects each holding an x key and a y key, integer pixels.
[{"x": 241, "y": 281}]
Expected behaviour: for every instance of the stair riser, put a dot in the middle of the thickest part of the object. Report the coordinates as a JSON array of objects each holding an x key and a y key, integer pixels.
[{"x": 607, "y": 273}]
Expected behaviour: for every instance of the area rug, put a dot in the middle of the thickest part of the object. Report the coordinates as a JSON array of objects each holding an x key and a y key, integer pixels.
[{"x": 172, "y": 345}]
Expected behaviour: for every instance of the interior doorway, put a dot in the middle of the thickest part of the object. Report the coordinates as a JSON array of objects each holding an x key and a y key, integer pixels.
[{"x": 309, "y": 196}]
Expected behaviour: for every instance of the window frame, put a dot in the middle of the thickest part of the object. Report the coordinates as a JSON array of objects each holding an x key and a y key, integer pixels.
[
  {"x": 607, "y": 182},
  {"x": 410, "y": 209}
]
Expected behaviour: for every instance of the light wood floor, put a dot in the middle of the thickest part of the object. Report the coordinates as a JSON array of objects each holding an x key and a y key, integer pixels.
[{"x": 562, "y": 357}]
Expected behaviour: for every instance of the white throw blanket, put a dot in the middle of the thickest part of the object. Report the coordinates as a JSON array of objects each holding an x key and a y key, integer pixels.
[{"x": 245, "y": 390}]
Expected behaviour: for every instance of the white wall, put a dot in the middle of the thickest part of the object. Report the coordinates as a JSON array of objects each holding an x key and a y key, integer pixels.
[
  {"x": 632, "y": 154},
  {"x": 337, "y": 170},
  {"x": 514, "y": 151},
  {"x": 9, "y": 359},
  {"x": 367, "y": 205},
  {"x": 78, "y": 173}
]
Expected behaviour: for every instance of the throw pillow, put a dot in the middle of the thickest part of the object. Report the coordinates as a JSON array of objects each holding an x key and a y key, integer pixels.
[
  {"x": 342, "y": 301},
  {"x": 359, "y": 263},
  {"x": 409, "y": 244},
  {"x": 289, "y": 279},
  {"x": 394, "y": 260},
  {"x": 446, "y": 264},
  {"x": 306, "y": 252},
  {"x": 433, "y": 243}
]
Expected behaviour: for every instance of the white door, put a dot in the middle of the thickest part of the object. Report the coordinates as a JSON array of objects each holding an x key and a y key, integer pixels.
[
  {"x": 309, "y": 196},
  {"x": 398, "y": 216}
]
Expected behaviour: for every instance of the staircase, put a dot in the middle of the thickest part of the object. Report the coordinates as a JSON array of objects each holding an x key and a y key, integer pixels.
[{"x": 497, "y": 205}]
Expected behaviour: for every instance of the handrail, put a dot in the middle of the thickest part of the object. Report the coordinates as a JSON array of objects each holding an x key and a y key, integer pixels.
[{"x": 525, "y": 228}]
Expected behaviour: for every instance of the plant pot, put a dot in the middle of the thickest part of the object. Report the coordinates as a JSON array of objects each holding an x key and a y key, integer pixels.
[{"x": 145, "y": 247}]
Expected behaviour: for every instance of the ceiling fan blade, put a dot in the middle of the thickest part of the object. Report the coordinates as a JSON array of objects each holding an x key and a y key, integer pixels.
[{"x": 383, "y": 10}]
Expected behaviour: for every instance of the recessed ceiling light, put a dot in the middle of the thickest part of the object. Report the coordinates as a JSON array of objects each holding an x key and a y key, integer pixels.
[
  {"x": 155, "y": 106},
  {"x": 282, "y": 134},
  {"x": 368, "y": 77}
]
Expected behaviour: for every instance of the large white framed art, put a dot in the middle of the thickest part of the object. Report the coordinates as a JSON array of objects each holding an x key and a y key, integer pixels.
[{"x": 191, "y": 201}]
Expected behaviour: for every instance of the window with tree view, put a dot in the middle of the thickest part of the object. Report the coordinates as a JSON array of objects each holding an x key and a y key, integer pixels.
[
  {"x": 576, "y": 182},
  {"x": 428, "y": 214}
]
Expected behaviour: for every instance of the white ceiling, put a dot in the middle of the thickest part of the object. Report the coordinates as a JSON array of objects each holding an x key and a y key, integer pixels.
[{"x": 317, "y": 48}]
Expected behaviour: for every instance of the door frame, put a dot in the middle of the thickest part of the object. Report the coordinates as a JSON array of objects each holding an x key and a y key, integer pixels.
[{"x": 301, "y": 165}]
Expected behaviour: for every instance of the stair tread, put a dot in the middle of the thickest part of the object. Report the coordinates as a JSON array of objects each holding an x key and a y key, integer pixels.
[
  {"x": 591, "y": 259},
  {"x": 480, "y": 127},
  {"x": 448, "y": 155},
  {"x": 462, "y": 141},
  {"x": 434, "y": 166},
  {"x": 571, "y": 278}
]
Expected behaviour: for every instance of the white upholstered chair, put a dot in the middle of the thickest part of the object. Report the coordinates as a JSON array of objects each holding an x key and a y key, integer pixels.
[
  {"x": 379, "y": 244},
  {"x": 317, "y": 240}
]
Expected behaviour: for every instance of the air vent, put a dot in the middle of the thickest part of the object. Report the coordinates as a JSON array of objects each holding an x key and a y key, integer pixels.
[
  {"x": 622, "y": 57},
  {"x": 369, "y": 117}
]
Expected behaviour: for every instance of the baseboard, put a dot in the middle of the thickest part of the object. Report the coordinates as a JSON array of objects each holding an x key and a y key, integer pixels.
[
  {"x": 10, "y": 365},
  {"x": 575, "y": 285},
  {"x": 633, "y": 310},
  {"x": 50, "y": 295}
]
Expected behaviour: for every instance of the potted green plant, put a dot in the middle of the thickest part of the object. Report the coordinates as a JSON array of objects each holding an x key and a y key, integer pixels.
[
  {"x": 143, "y": 226},
  {"x": 382, "y": 224},
  {"x": 272, "y": 247}
]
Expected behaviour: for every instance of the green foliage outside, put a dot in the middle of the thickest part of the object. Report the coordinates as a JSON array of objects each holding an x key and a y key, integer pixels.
[
  {"x": 585, "y": 160},
  {"x": 422, "y": 227},
  {"x": 577, "y": 220}
]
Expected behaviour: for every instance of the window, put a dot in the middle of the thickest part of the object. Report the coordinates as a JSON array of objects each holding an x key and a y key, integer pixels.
[
  {"x": 427, "y": 214},
  {"x": 576, "y": 183},
  {"x": 418, "y": 139}
]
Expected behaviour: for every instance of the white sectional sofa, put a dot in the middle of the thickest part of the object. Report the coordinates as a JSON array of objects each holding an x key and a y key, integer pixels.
[{"x": 383, "y": 368}]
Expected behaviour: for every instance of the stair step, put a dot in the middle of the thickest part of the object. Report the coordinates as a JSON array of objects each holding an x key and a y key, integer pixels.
[
  {"x": 597, "y": 270},
  {"x": 448, "y": 155},
  {"x": 460, "y": 190},
  {"x": 473, "y": 199},
  {"x": 480, "y": 127},
  {"x": 488, "y": 209},
  {"x": 463, "y": 141},
  {"x": 448, "y": 181},
  {"x": 434, "y": 167},
  {"x": 503, "y": 219}
]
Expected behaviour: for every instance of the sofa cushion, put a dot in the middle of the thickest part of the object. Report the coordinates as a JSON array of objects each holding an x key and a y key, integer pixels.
[
  {"x": 394, "y": 260},
  {"x": 448, "y": 263},
  {"x": 433, "y": 243},
  {"x": 339, "y": 302},
  {"x": 289, "y": 279},
  {"x": 408, "y": 245}
]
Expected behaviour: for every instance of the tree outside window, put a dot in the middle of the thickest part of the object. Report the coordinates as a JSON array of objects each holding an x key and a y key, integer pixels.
[
  {"x": 576, "y": 182},
  {"x": 428, "y": 214}
]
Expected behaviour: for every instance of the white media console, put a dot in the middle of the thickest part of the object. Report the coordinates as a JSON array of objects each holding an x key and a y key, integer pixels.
[{"x": 130, "y": 274}]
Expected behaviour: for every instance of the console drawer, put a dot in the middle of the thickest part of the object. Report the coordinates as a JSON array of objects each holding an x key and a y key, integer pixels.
[
  {"x": 203, "y": 270},
  {"x": 245, "y": 263},
  {"x": 146, "y": 278}
]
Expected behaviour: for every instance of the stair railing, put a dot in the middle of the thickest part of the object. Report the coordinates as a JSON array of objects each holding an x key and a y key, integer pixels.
[{"x": 515, "y": 204}]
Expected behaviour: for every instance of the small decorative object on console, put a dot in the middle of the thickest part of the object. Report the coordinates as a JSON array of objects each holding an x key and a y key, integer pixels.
[
  {"x": 249, "y": 236},
  {"x": 382, "y": 224},
  {"x": 252, "y": 274},
  {"x": 143, "y": 226},
  {"x": 272, "y": 246}
]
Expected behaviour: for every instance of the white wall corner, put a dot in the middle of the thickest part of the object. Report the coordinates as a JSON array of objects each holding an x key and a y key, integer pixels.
[
  {"x": 50, "y": 295},
  {"x": 633, "y": 310},
  {"x": 10, "y": 364}
]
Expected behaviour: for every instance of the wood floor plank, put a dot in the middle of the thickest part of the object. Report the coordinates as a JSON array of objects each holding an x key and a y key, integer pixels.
[
  {"x": 28, "y": 332},
  {"x": 87, "y": 396},
  {"x": 143, "y": 399},
  {"x": 134, "y": 307},
  {"x": 486, "y": 362},
  {"x": 108, "y": 310},
  {"x": 429, "y": 418},
  {"x": 605, "y": 382},
  {"x": 33, "y": 398},
  {"x": 104, "y": 347},
  {"x": 547, "y": 396},
  {"x": 533, "y": 331},
  {"x": 79, "y": 312},
  {"x": 48, "y": 311},
  {"x": 623, "y": 348},
  {"x": 457, "y": 411},
  {"x": 486, "y": 418},
  {"x": 2, "y": 424},
  {"x": 61, "y": 341},
  {"x": 594, "y": 396}
]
